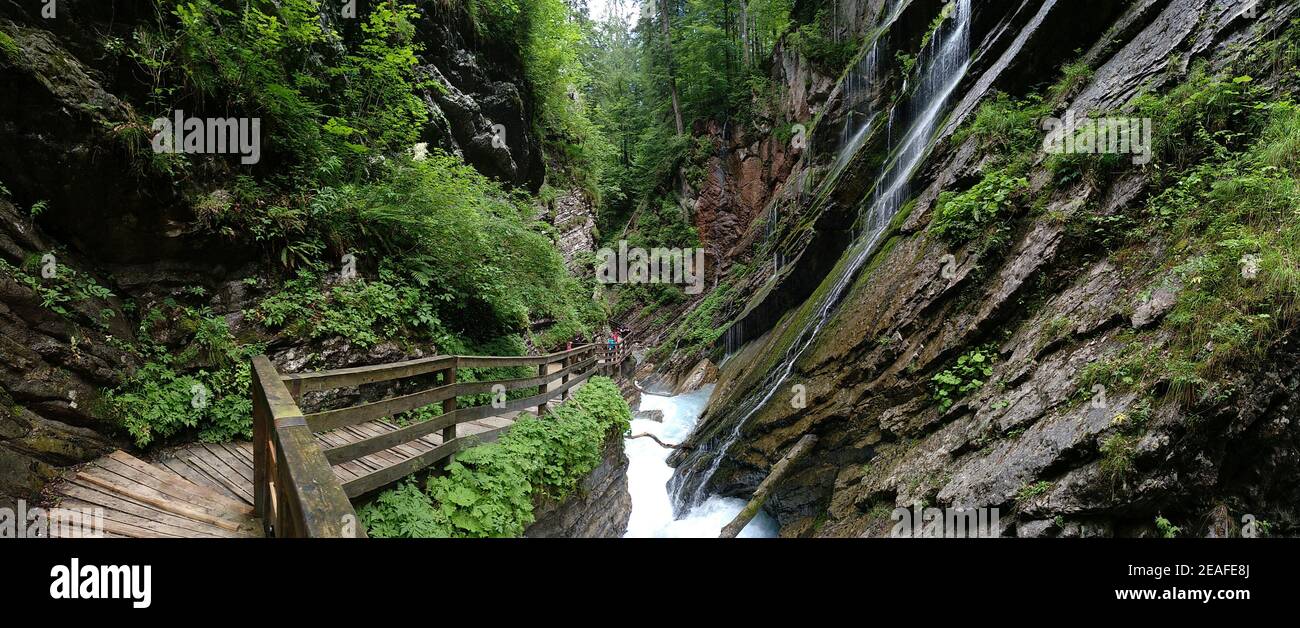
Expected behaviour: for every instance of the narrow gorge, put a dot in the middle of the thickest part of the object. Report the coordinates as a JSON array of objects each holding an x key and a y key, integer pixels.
[{"x": 1035, "y": 257}]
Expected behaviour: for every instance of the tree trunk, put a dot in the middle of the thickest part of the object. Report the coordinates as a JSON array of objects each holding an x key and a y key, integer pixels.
[
  {"x": 744, "y": 32},
  {"x": 760, "y": 494},
  {"x": 672, "y": 76}
]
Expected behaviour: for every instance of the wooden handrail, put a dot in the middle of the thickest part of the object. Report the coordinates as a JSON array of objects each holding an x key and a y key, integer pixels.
[
  {"x": 343, "y": 417},
  {"x": 357, "y": 375},
  {"x": 296, "y": 490}
]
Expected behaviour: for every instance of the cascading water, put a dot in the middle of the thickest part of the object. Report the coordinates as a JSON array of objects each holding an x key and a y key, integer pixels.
[
  {"x": 856, "y": 94},
  {"x": 945, "y": 61},
  {"x": 648, "y": 473}
]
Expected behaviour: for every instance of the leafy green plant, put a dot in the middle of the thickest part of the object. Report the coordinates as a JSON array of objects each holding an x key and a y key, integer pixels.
[
  {"x": 1118, "y": 452},
  {"x": 828, "y": 54},
  {"x": 1005, "y": 126},
  {"x": 1166, "y": 529},
  {"x": 62, "y": 292},
  {"x": 1029, "y": 492},
  {"x": 965, "y": 376},
  {"x": 200, "y": 387},
  {"x": 960, "y": 217},
  {"x": 489, "y": 490}
]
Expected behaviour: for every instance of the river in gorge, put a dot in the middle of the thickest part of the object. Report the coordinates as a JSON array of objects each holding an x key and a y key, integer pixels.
[{"x": 648, "y": 475}]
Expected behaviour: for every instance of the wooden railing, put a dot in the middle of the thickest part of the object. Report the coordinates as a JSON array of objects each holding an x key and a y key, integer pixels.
[{"x": 296, "y": 491}]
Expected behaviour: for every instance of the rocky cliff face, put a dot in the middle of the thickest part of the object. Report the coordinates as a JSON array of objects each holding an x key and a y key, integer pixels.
[
  {"x": 117, "y": 235},
  {"x": 480, "y": 108},
  {"x": 574, "y": 218},
  {"x": 600, "y": 508},
  {"x": 1048, "y": 306}
]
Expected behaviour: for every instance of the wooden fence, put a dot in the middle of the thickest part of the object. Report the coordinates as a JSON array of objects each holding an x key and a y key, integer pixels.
[{"x": 296, "y": 491}]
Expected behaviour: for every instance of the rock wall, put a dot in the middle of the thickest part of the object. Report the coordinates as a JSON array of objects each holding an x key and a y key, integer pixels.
[
  {"x": 600, "y": 508},
  {"x": 482, "y": 109},
  {"x": 574, "y": 218},
  {"x": 66, "y": 109},
  {"x": 883, "y": 442}
]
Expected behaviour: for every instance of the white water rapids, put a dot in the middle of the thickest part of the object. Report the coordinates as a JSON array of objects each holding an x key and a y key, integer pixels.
[{"x": 648, "y": 474}]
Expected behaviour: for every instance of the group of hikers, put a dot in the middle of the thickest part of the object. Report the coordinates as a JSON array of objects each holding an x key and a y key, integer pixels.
[{"x": 612, "y": 341}]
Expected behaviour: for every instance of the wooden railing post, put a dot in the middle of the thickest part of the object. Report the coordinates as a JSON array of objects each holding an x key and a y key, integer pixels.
[
  {"x": 543, "y": 370},
  {"x": 449, "y": 379},
  {"x": 261, "y": 450},
  {"x": 295, "y": 489},
  {"x": 565, "y": 363}
]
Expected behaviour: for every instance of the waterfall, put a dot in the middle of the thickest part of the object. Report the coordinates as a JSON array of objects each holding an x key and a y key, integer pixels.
[
  {"x": 648, "y": 474},
  {"x": 856, "y": 95},
  {"x": 946, "y": 59}
]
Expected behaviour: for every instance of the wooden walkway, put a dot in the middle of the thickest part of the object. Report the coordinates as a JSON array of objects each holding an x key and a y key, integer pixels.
[
  {"x": 206, "y": 489},
  {"x": 299, "y": 475}
]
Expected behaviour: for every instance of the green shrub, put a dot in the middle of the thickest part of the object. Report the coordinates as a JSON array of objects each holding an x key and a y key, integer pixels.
[
  {"x": 1235, "y": 231},
  {"x": 1117, "y": 454},
  {"x": 201, "y": 385},
  {"x": 9, "y": 49},
  {"x": 1005, "y": 126},
  {"x": 696, "y": 332},
  {"x": 960, "y": 217},
  {"x": 1166, "y": 529},
  {"x": 965, "y": 376},
  {"x": 829, "y": 55},
  {"x": 62, "y": 292},
  {"x": 489, "y": 490}
]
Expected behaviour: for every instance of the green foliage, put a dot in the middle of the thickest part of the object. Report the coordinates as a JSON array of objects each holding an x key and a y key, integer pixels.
[
  {"x": 1165, "y": 528},
  {"x": 1029, "y": 492},
  {"x": 1205, "y": 116},
  {"x": 364, "y": 312},
  {"x": 202, "y": 386},
  {"x": 329, "y": 106},
  {"x": 1235, "y": 229},
  {"x": 9, "y": 49},
  {"x": 1117, "y": 454},
  {"x": 812, "y": 41},
  {"x": 341, "y": 114},
  {"x": 61, "y": 293},
  {"x": 965, "y": 376},
  {"x": 403, "y": 512},
  {"x": 1073, "y": 76},
  {"x": 1005, "y": 126},
  {"x": 456, "y": 252},
  {"x": 697, "y": 331},
  {"x": 960, "y": 217},
  {"x": 489, "y": 490}
]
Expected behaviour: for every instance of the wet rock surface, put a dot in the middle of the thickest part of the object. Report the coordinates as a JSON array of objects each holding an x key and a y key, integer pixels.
[
  {"x": 1031, "y": 445},
  {"x": 600, "y": 508}
]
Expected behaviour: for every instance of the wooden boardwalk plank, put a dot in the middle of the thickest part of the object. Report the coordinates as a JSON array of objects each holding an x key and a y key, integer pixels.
[
  {"x": 171, "y": 498},
  {"x": 182, "y": 468},
  {"x": 149, "y": 525},
  {"x": 173, "y": 484},
  {"x": 240, "y": 453},
  {"x": 117, "y": 528},
  {"x": 202, "y": 457},
  {"x": 89, "y": 493},
  {"x": 231, "y": 460}
]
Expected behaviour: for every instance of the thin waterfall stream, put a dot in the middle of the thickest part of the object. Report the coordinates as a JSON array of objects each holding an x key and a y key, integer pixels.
[{"x": 946, "y": 60}]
